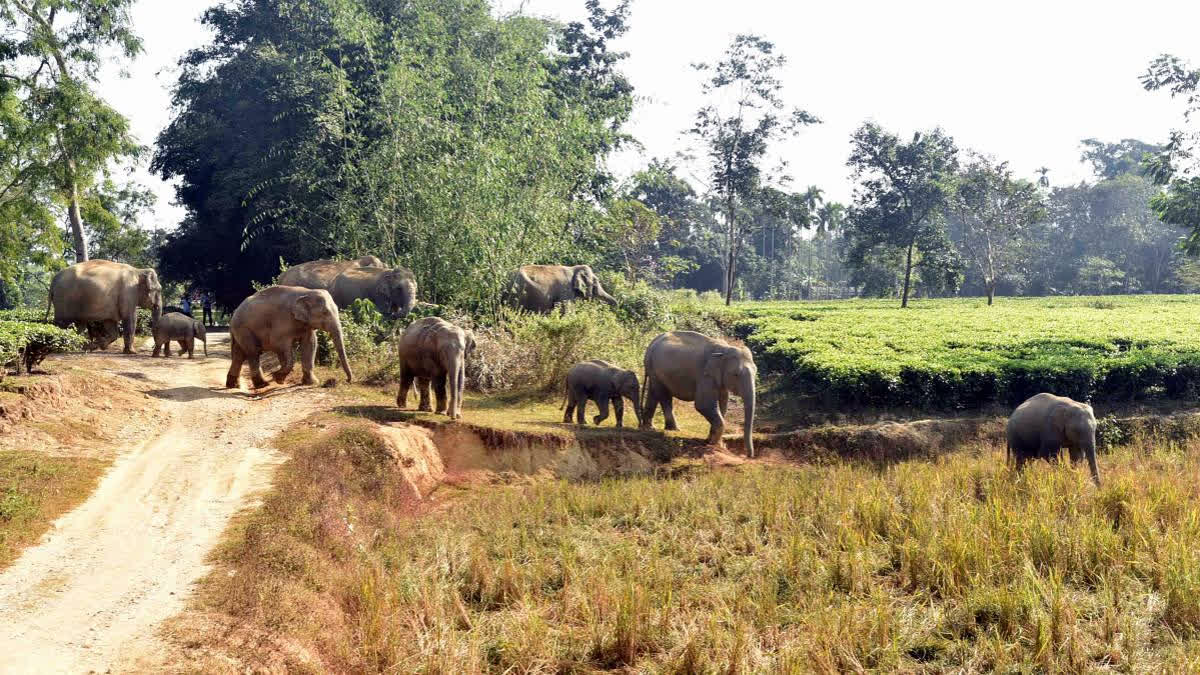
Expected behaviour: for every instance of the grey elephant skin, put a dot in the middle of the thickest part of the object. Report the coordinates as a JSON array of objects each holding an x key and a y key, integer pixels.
[
  {"x": 273, "y": 320},
  {"x": 693, "y": 367},
  {"x": 1044, "y": 424},
  {"x": 321, "y": 273},
  {"x": 393, "y": 291},
  {"x": 540, "y": 288},
  {"x": 108, "y": 292},
  {"x": 181, "y": 328},
  {"x": 434, "y": 350},
  {"x": 602, "y": 382}
]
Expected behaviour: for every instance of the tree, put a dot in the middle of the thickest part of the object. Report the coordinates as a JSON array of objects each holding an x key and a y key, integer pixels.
[
  {"x": 1110, "y": 160},
  {"x": 994, "y": 210},
  {"x": 745, "y": 115},
  {"x": 55, "y": 51},
  {"x": 1178, "y": 164},
  {"x": 902, "y": 193},
  {"x": 430, "y": 133}
]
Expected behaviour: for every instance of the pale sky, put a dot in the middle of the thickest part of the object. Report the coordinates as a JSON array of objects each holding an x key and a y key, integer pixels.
[{"x": 1022, "y": 80}]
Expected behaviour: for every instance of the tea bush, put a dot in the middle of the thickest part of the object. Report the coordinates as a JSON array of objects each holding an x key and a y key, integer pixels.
[
  {"x": 27, "y": 343},
  {"x": 960, "y": 353}
]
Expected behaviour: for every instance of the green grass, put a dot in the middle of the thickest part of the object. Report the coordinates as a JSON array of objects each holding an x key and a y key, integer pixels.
[
  {"x": 952, "y": 565},
  {"x": 960, "y": 353},
  {"x": 34, "y": 490}
]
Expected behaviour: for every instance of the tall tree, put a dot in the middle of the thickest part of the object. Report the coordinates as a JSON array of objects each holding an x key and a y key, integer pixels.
[
  {"x": 1177, "y": 166},
  {"x": 745, "y": 115},
  {"x": 902, "y": 193},
  {"x": 994, "y": 209},
  {"x": 53, "y": 54}
]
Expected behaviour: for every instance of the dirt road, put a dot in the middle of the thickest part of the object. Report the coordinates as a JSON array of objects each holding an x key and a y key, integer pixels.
[{"x": 90, "y": 595}]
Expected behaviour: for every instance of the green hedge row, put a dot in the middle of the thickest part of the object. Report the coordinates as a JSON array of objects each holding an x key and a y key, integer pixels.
[{"x": 26, "y": 343}]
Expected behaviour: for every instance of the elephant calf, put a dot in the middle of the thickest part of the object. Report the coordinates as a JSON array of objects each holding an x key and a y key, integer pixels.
[
  {"x": 1042, "y": 425},
  {"x": 181, "y": 328},
  {"x": 600, "y": 381},
  {"x": 433, "y": 349}
]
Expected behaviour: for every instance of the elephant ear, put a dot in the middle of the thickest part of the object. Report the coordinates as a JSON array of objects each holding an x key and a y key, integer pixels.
[
  {"x": 470, "y": 341},
  {"x": 579, "y": 281},
  {"x": 305, "y": 307},
  {"x": 714, "y": 366}
]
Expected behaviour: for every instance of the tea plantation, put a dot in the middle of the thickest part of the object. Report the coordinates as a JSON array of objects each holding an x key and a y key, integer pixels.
[{"x": 960, "y": 353}]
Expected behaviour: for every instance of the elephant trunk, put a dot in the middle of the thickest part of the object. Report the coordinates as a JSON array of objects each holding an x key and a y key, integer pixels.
[
  {"x": 747, "y": 393},
  {"x": 1090, "y": 450},
  {"x": 156, "y": 311},
  {"x": 603, "y": 295},
  {"x": 637, "y": 405},
  {"x": 335, "y": 331}
]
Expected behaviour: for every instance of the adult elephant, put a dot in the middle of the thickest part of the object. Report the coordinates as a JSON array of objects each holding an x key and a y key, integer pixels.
[
  {"x": 108, "y": 292},
  {"x": 321, "y": 273},
  {"x": 394, "y": 291},
  {"x": 693, "y": 367},
  {"x": 273, "y": 320},
  {"x": 539, "y": 288},
  {"x": 1044, "y": 423}
]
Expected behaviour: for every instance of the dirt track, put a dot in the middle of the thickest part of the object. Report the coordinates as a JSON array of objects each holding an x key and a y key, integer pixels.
[{"x": 90, "y": 596}]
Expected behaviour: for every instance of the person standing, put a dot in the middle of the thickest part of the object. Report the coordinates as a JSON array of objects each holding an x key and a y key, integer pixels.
[
  {"x": 208, "y": 308},
  {"x": 186, "y": 304}
]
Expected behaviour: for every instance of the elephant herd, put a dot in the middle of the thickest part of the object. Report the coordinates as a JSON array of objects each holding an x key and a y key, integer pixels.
[{"x": 678, "y": 365}]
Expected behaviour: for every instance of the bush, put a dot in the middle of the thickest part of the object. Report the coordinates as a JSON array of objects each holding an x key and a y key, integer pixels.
[{"x": 28, "y": 343}]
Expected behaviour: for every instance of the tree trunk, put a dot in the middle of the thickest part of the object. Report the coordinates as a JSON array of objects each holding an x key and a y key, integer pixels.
[
  {"x": 907, "y": 274},
  {"x": 991, "y": 290},
  {"x": 729, "y": 217},
  {"x": 77, "y": 233}
]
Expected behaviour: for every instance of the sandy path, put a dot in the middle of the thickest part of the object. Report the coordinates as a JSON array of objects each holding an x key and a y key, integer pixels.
[{"x": 89, "y": 596}]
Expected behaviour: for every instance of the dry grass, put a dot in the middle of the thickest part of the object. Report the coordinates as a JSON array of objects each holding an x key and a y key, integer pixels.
[
  {"x": 950, "y": 565},
  {"x": 35, "y": 489}
]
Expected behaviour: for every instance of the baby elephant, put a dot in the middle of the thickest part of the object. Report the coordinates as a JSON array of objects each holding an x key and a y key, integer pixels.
[
  {"x": 182, "y": 328},
  {"x": 1042, "y": 425},
  {"x": 600, "y": 381},
  {"x": 432, "y": 349}
]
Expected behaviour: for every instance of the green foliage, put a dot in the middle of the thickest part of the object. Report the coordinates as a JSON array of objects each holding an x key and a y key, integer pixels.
[
  {"x": 960, "y": 354},
  {"x": 901, "y": 199},
  {"x": 25, "y": 341},
  {"x": 430, "y": 133}
]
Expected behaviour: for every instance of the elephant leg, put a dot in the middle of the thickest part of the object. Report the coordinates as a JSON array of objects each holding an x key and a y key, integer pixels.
[
  {"x": 439, "y": 394},
  {"x": 256, "y": 375},
  {"x": 668, "y": 408},
  {"x": 1076, "y": 454},
  {"x": 423, "y": 392},
  {"x": 308, "y": 357},
  {"x": 602, "y": 404},
  {"x": 157, "y": 346},
  {"x": 191, "y": 346},
  {"x": 406, "y": 381},
  {"x": 619, "y": 410},
  {"x": 708, "y": 404},
  {"x": 570, "y": 412},
  {"x": 648, "y": 409},
  {"x": 129, "y": 328},
  {"x": 582, "y": 409},
  {"x": 723, "y": 400},
  {"x": 287, "y": 361},
  {"x": 167, "y": 348},
  {"x": 236, "y": 359},
  {"x": 183, "y": 347}
]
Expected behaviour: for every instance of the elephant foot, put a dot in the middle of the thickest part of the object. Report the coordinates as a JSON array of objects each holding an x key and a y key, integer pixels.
[
  {"x": 620, "y": 426},
  {"x": 128, "y": 351},
  {"x": 279, "y": 376},
  {"x": 258, "y": 382},
  {"x": 597, "y": 420},
  {"x": 672, "y": 427},
  {"x": 308, "y": 379},
  {"x": 232, "y": 383},
  {"x": 645, "y": 426},
  {"x": 424, "y": 408}
]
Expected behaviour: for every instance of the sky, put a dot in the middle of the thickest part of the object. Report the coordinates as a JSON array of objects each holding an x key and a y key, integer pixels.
[{"x": 1023, "y": 81}]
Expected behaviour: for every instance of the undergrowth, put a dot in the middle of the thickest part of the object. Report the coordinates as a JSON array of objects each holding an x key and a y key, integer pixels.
[
  {"x": 34, "y": 490},
  {"x": 955, "y": 564}
]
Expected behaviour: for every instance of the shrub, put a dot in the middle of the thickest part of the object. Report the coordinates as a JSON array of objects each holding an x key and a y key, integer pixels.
[{"x": 28, "y": 343}]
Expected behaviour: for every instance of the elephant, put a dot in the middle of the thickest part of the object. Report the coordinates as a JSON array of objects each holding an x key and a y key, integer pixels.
[
  {"x": 107, "y": 292},
  {"x": 1044, "y": 423},
  {"x": 321, "y": 273},
  {"x": 433, "y": 349},
  {"x": 273, "y": 320},
  {"x": 394, "y": 291},
  {"x": 694, "y": 367},
  {"x": 600, "y": 381},
  {"x": 179, "y": 327},
  {"x": 539, "y": 288}
]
